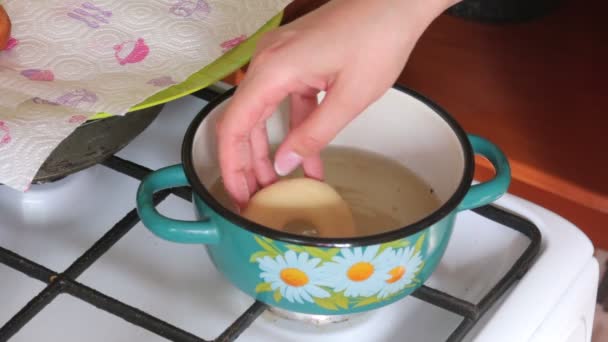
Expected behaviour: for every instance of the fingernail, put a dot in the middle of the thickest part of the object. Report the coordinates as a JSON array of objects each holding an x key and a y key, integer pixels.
[{"x": 286, "y": 163}]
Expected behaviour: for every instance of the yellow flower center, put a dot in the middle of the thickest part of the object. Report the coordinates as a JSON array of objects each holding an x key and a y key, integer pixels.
[
  {"x": 396, "y": 274},
  {"x": 360, "y": 271},
  {"x": 294, "y": 277}
]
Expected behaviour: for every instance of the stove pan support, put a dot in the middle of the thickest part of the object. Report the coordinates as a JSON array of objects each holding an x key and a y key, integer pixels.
[{"x": 66, "y": 282}]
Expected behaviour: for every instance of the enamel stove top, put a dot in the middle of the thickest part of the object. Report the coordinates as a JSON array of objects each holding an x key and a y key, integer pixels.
[{"x": 118, "y": 282}]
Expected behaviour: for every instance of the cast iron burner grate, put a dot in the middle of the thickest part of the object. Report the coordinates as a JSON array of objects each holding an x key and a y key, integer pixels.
[{"x": 58, "y": 283}]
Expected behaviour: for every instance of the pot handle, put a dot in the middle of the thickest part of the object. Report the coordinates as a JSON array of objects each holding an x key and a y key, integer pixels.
[
  {"x": 203, "y": 231},
  {"x": 488, "y": 192}
]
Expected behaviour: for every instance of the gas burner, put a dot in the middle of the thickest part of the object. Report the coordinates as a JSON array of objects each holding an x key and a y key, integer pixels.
[{"x": 318, "y": 320}]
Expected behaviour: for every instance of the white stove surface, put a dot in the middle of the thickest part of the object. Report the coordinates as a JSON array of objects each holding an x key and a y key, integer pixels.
[{"x": 54, "y": 224}]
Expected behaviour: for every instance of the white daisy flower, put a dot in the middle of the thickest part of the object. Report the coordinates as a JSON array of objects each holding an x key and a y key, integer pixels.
[
  {"x": 405, "y": 263},
  {"x": 358, "y": 272},
  {"x": 295, "y": 275}
]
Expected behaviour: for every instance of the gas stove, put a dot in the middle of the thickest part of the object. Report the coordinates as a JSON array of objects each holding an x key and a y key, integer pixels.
[{"x": 76, "y": 264}]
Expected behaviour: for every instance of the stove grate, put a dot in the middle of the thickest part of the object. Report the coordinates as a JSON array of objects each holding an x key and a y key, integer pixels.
[{"x": 66, "y": 283}]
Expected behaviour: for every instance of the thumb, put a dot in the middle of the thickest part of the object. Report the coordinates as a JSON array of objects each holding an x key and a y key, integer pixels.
[{"x": 340, "y": 106}]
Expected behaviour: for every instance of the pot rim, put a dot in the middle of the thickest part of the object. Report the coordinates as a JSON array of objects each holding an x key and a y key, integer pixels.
[{"x": 440, "y": 213}]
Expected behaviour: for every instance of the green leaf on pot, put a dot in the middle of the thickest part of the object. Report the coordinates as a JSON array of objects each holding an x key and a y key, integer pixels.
[
  {"x": 396, "y": 294},
  {"x": 268, "y": 246},
  {"x": 325, "y": 255},
  {"x": 263, "y": 287},
  {"x": 367, "y": 301},
  {"x": 333, "y": 252},
  {"x": 419, "y": 242},
  {"x": 326, "y": 303},
  {"x": 277, "y": 295},
  {"x": 258, "y": 255},
  {"x": 340, "y": 299},
  {"x": 420, "y": 268},
  {"x": 295, "y": 248},
  {"x": 393, "y": 244},
  {"x": 413, "y": 284}
]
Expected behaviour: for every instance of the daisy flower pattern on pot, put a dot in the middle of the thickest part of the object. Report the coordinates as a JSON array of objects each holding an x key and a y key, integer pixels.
[
  {"x": 405, "y": 263},
  {"x": 294, "y": 275},
  {"x": 338, "y": 278},
  {"x": 358, "y": 271}
]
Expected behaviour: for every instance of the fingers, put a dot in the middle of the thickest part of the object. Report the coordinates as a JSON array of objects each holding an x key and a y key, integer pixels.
[
  {"x": 260, "y": 154},
  {"x": 237, "y": 171},
  {"x": 340, "y": 105},
  {"x": 301, "y": 106},
  {"x": 258, "y": 95}
]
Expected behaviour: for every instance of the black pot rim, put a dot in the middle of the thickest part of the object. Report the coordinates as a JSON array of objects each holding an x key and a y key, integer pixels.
[{"x": 444, "y": 210}]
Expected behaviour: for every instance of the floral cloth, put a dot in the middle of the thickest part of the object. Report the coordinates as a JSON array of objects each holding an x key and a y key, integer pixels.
[{"x": 71, "y": 58}]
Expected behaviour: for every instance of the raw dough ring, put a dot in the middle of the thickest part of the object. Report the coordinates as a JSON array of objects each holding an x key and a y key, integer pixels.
[
  {"x": 5, "y": 28},
  {"x": 302, "y": 200}
]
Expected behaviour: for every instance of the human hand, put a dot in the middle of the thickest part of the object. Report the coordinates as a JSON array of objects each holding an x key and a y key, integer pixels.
[{"x": 353, "y": 50}]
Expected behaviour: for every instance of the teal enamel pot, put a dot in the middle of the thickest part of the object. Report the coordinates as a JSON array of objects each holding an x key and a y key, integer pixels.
[{"x": 333, "y": 276}]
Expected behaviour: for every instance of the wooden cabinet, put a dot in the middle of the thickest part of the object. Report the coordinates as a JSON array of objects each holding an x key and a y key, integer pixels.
[{"x": 539, "y": 91}]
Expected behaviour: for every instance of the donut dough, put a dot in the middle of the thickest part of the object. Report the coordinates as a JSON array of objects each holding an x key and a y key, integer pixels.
[
  {"x": 5, "y": 28},
  {"x": 302, "y": 201}
]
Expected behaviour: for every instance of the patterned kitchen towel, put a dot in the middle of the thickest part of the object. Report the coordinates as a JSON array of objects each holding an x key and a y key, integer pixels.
[{"x": 69, "y": 60}]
